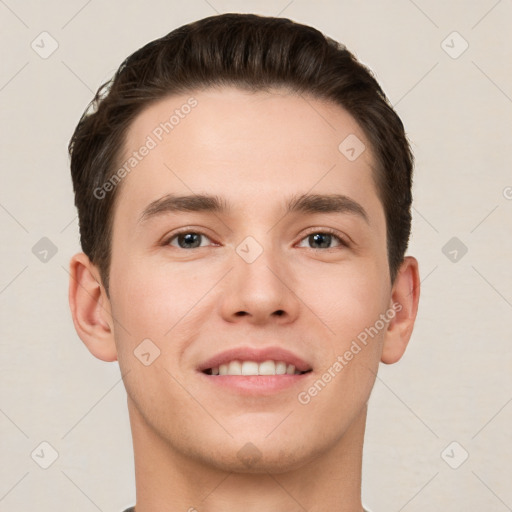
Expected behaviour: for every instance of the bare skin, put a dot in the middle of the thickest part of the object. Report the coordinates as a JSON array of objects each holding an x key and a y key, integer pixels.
[{"x": 205, "y": 447}]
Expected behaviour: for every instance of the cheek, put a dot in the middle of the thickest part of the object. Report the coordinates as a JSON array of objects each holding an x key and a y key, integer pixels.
[
  {"x": 348, "y": 298},
  {"x": 141, "y": 289},
  {"x": 146, "y": 303},
  {"x": 351, "y": 305},
  {"x": 155, "y": 299},
  {"x": 148, "y": 300}
]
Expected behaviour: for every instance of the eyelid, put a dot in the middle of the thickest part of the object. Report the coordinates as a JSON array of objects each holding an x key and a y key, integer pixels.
[
  {"x": 343, "y": 239},
  {"x": 187, "y": 229}
]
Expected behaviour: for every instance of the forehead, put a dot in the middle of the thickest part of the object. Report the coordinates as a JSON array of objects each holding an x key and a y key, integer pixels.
[{"x": 250, "y": 148}]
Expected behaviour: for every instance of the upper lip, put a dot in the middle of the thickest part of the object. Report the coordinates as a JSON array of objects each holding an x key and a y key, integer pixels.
[{"x": 258, "y": 355}]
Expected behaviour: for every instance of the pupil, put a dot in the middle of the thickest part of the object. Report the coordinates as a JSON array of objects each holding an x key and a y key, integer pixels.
[
  {"x": 323, "y": 239},
  {"x": 188, "y": 239}
]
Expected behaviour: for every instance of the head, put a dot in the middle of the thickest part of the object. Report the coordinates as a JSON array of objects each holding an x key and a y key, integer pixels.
[
  {"x": 221, "y": 50},
  {"x": 256, "y": 113}
]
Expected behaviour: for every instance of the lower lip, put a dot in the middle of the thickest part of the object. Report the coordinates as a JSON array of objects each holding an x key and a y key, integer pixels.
[{"x": 256, "y": 384}]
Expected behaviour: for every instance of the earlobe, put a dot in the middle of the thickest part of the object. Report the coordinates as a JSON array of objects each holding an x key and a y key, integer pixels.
[
  {"x": 90, "y": 308},
  {"x": 404, "y": 301}
]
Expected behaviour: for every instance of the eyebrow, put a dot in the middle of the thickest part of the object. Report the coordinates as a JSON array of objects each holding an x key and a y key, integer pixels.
[{"x": 304, "y": 203}]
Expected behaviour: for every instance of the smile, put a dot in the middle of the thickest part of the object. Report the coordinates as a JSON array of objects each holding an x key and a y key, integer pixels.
[{"x": 250, "y": 368}]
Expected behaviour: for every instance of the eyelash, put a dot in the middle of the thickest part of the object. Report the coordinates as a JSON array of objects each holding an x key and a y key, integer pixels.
[{"x": 326, "y": 231}]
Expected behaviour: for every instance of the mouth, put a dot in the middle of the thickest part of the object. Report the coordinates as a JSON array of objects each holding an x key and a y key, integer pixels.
[
  {"x": 250, "y": 368},
  {"x": 250, "y": 361},
  {"x": 260, "y": 371}
]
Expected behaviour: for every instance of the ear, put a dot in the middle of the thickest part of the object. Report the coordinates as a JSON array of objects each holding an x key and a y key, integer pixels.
[
  {"x": 405, "y": 296},
  {"x": 90, "y": 308}
]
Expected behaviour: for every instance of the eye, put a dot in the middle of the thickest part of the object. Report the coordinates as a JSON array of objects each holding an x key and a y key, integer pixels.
[
  {"x": 317, "y": 240},
  {"x": 187, "y": 240},
  {"x": 323, "y": 240}
]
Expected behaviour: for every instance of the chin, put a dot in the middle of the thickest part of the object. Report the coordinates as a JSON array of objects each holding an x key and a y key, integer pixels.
[
  {"x": 250, "y": 458},
  {"x": 283, "y": 462}
]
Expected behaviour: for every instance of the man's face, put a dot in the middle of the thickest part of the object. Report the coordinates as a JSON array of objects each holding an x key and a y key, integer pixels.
[{"x": 250, "y": 277}]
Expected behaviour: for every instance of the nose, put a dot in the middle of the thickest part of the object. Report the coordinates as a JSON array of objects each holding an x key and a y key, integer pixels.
[{"x": 261, "y": 291}]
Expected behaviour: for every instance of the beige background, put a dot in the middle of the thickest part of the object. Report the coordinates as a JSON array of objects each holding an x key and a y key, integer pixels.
[{"x": 455, "y": 381}]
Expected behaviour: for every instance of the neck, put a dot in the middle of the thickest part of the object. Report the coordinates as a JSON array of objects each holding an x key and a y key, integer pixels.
[{"x": 170, "y": 480}]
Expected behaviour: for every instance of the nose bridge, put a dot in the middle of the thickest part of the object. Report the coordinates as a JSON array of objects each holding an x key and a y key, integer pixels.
[
  {"x": 254, "y": 261},
  {"x": 258, "y": 282}
]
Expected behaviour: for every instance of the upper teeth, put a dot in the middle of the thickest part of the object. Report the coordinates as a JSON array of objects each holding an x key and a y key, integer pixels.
[{"x": 253, "y": 368}]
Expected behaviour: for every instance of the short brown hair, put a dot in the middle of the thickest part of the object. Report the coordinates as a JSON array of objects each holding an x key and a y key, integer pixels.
[{"x": 251, "y": 52}]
